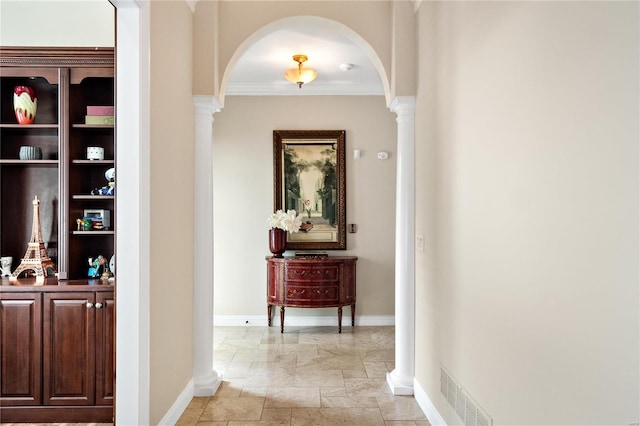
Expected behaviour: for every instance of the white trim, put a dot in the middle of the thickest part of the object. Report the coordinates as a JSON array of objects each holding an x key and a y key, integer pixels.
[
  {"x": 302, "y": 321},
  {"x": 426, "y": 405},
  {"x": 178, "y": 407},
  {"x": 133, "y": 212},
  {"x": 287, "y": 89}
]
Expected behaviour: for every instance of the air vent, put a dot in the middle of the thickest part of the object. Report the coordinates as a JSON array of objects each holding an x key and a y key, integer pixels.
[{"x": 466, "y": 407}]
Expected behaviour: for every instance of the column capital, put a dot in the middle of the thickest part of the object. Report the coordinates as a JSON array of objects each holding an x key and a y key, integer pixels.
[
  {"x": 402, "y": 105},
  {"x": 206, "y": 106}
]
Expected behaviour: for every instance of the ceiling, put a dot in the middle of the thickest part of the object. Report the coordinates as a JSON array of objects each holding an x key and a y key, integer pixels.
[{"x": 260, "y": 70}]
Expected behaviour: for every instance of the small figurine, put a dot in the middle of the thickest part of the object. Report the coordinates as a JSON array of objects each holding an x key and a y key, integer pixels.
[
  {"x": 5, "y": 266},
  {"x": 110, "y": 188},
  {"x": 94, "y": 266}
]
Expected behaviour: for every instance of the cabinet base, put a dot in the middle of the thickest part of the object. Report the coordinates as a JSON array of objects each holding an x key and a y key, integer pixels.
[{"x": 63, "y": 414}]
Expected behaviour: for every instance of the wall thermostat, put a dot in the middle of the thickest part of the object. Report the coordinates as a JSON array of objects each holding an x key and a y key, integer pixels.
[{"x": 383, "y": 155}]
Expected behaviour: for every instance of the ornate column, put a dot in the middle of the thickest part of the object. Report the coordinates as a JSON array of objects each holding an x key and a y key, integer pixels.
[
  {"x": 205, "y": 379},
  {"x": 400, "y": 380}
]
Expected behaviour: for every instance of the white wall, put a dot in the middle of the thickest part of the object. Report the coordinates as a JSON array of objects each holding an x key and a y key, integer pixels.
[
  {"x": 529, "y": 111},
  {"x": 57, "y": 23},
  {"x": 243, "y": 195}
]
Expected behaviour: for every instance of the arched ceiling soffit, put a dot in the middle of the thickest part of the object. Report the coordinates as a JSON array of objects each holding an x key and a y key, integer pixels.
[{"x": 258, "y": 65}]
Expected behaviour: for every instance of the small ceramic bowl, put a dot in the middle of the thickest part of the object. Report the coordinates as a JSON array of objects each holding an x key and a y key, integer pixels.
[{"x": 30, "y": 153}]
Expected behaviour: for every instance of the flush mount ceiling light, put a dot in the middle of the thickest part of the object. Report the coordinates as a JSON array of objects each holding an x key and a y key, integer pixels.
[{"x": 298, "y": 75}]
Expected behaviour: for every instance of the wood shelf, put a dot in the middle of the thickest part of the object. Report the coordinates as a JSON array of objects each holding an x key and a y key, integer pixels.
[
  {"x": 93, "y": 126},
  {"x": 28, "y": 126},
  {"x": 93, "y": 197},
  {"x": 92, "y": 162},
  {"x": 15, "y": 162},
  {"x": 108, "y": 232}
]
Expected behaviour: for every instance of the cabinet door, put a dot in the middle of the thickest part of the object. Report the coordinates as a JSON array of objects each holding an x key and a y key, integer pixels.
[
  {"x": 68, "y": 348},
  {"x": 20, "y": 349},
  {"x": 105, "y": 347}
]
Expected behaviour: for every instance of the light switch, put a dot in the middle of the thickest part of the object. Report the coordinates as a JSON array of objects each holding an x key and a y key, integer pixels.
[{"x": 356, "y": 154}]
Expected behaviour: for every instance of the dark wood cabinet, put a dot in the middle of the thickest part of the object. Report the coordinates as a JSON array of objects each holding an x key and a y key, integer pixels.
[
  {"x": 311, "y": 282},
  {"x": 57, "y": 353}
]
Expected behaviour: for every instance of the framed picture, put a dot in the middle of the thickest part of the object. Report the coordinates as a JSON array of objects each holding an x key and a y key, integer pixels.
[{"x": 310, "y": 178}]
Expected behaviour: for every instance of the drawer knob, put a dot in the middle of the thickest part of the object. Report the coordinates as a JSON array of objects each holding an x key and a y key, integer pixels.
[
  {"x": 325, "y": 292},
  {"x": 300, "y": 272},
  {"x": 89, "y": 305},
  {"x": 98, "y": 305}
]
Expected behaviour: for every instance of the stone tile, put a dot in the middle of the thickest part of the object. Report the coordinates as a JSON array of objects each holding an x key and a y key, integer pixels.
[
  {"x": 190, "y": 416},
  {"x": 227, "y": 409},
  {"x": 284, "y": 338},
  {"x": 199, "y": 402},
  {"x": 260, "y": 423},
  {"x": 291, "y": 397},
  {"x": 256, "y": 355},
  {"x": 367, "y": 387},
  {"x": 237, "y": 370},
  {"x": 229, "y": 389},
  {"x": 333, "y": 391},
  {"x": 336, "y": 416},
  {"x": 278, "y": 414},
  {"x": 349, "y": 402},
  {"x": 306, "y": 377},
  {"x": 400, "y": 408},
  {"x": 375, "y": 369},
  {"x": 378, "y": 355},
  {"x": 248, "y": 392},
  {"x": 354, "y": 374},
  {"x": 212, "y": 423},
  {"x": 331, "y": 362}
]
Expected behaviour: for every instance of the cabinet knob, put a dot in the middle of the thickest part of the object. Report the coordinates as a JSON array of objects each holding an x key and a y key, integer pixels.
[
  {"x": 98, "y": 305},
  {"x": 89, "y": 305}
]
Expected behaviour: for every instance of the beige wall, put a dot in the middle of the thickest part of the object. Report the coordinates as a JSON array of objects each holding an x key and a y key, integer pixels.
[
  {"x": 57, "y": 23},
  {"x": 172, "y": 186},
  {"x": 532, "y": 116},
  {"x": 238, "y": 20},
  {"x": 243, "y": 195}
]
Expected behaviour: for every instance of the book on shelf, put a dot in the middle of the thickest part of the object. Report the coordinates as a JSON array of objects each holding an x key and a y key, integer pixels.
[
  {"x": 99, "y": 119},
  {"x": 100, "y": 110}
]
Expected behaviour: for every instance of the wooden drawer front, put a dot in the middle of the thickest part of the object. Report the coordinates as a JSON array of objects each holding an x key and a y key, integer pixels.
[
  {"x": 312, "y": 294},
  {"x": 312, "y": 273}
]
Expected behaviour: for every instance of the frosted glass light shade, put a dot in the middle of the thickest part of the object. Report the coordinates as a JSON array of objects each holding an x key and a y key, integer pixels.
[{"x": 300, "y": 76}]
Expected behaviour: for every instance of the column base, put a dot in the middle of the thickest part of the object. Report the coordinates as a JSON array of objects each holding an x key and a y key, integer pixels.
[
  {"x": 399, "y": 386},
  {"x": 206, "y": 385}
]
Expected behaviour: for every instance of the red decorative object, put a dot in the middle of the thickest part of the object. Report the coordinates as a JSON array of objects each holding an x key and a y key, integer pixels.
[
  {"x": 277, "y": 241},
  {"x": 25, "y": 104}
]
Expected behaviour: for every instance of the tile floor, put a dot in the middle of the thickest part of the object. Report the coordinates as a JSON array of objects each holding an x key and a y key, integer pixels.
[{"x": 306, "y": 376}]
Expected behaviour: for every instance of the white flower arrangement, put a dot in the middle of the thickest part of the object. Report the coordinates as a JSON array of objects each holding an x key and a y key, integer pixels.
[{"x": 289, "y": 221}]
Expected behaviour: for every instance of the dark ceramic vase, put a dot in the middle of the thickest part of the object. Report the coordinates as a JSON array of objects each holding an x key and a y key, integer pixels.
[{"x": 277, "y": 241}]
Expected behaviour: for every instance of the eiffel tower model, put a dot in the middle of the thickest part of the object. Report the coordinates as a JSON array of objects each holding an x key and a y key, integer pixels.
[{"x": 36, "y": 258}]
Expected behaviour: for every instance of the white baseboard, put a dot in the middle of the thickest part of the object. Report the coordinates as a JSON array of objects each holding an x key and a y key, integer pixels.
[
  {"x": 301, "y": 321},
  {"x": 426, "y": 405},
  {"x": 178, "y": 407}
]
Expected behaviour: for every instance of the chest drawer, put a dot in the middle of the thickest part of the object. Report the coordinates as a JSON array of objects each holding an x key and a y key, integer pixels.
[
  {"x": 312, "y": 273},
  {"x": 311, "y": 294}
]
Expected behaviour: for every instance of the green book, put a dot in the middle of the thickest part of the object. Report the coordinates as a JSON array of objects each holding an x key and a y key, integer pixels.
[{"x": 99, "y": 119}]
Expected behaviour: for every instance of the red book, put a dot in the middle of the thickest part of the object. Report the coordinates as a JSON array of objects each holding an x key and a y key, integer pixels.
[{"x": 100, "y": 110}]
